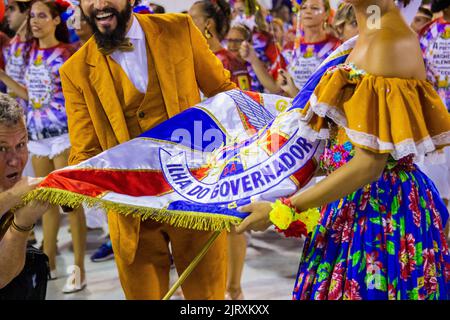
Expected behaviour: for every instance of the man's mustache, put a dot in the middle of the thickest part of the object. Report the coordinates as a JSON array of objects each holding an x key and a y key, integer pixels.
[{"x": 96, "y": 12}]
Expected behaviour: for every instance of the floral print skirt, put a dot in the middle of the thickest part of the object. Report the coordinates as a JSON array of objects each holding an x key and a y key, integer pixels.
[{"x": 384, "y": 241}]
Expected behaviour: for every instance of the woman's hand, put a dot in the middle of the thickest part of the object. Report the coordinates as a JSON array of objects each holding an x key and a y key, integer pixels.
[
  {"x": 286, "y": 83},
  {"x": 247, "y": 52},
  {"x": 19, "y": 89},
  {"x": 258, "y": 220}
]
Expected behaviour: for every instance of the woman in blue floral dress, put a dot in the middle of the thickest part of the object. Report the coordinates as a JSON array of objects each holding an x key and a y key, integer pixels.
[{"x": 380, "y": 233}]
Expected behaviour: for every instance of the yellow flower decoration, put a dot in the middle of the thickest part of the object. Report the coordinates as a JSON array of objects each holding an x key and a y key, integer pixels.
[
  {"x": 281, "y": 215},
  {"x": 309, "y": 217}
]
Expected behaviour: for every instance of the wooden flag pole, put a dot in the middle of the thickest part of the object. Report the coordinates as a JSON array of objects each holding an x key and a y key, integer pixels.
[{"x": 192, "y": 265}]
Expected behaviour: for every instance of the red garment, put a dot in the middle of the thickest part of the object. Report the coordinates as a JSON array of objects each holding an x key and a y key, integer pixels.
[
  {"x": 237, "y": 68},
  {"x": 273, "y": 51}
]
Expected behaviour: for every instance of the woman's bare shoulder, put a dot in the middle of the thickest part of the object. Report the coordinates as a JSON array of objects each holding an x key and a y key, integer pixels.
[{"x": 395, "y": 53}]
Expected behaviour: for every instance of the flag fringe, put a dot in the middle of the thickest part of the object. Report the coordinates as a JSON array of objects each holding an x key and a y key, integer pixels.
[{"x": 183, "y": 219}]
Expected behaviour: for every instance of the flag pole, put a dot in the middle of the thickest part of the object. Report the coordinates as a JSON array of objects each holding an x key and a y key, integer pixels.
[{"x": 192, "y": 265}]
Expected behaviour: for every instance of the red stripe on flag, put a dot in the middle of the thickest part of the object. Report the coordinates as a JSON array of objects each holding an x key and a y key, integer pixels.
[
  {"x": 132, "y": 183},
  {"x": 304, "y": 175},
  {"x": 256, "y": 96},
  {"x": 275, "y": 141}
]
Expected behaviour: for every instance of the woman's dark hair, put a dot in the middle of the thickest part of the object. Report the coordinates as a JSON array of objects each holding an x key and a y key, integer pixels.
[
  {"x": 56, "y": 10},
  {"x": 439, "y": 5},
  {"x": 23, "y": 6},
  {"x": 220, "y": 12}
]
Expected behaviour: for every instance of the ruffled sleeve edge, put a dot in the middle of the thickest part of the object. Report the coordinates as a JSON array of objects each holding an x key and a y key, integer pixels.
[{"x": 368, "y": 141}]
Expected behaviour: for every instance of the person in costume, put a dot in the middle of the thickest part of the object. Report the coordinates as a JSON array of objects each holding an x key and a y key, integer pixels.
[
  {"x": 263, "y": 47},
  {"x": 136, "y": 72},
  {"x": 380, "y": 234},
  {"x": 213, "y": 20},
  {"x": 278, "y": 32},
  {"x": 239, "y": 70},
  {"x": 435, "y": 43},
  {"x": 313, "y": 45},
  {"x": 47, "y": 121},
  {"x": 16, "y": 54},
  {"x": 344, "y": 22},
  {"x": 95, "y": 218}
]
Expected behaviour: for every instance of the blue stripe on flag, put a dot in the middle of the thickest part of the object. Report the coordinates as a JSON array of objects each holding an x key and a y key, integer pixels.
[
  {"x": 183, "y": 205},
  {"x": 257, "y": 114},
  {"x": 187, "y": 128}
]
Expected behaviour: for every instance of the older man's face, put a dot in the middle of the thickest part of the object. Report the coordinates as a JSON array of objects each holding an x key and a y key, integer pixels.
[{"x": 13, "y": 153}]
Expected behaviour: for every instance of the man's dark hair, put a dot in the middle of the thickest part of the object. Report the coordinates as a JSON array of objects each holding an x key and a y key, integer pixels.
[{"x": 24, "y": 6}]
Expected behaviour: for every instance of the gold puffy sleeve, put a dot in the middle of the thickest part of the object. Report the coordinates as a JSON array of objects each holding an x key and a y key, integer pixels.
[{"x": 385, "y": 115}]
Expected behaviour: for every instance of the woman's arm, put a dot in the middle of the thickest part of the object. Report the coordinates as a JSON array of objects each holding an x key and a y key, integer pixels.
[
  {"x": 248, "y": 54},
  {"x": 20, "y": 90},
  {"x": 364, "y": 168}
]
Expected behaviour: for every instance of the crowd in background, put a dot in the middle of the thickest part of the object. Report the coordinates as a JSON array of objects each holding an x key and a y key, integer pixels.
[{"x": 266, "y": 50}]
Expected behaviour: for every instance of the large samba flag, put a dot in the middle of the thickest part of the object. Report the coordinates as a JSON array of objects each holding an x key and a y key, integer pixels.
[{"x": 196, "y": 168}]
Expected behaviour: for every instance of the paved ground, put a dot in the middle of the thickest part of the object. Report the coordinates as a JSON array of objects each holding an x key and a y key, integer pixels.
[{"x": 269, "y": 272}]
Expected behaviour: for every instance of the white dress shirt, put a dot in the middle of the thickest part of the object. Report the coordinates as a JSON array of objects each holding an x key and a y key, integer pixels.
[{"x": 134, "y": 63}]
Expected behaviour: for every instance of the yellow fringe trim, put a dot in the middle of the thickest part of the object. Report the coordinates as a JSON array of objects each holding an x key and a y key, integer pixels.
[{"x": 183, "y": 219}]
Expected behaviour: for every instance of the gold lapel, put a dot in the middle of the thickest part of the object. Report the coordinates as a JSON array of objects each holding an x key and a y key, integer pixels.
[
  {"x": 162, "y": 59},
  {"x": 103, "y": 84}
]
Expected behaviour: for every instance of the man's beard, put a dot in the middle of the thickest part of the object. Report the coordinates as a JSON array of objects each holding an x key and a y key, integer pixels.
[{"x": 111, "y": 38}]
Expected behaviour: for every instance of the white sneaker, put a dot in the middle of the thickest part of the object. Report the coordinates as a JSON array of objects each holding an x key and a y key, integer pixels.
[
  {"x": 71, "y": 286},
  {"x": 53, "y": 275}
]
